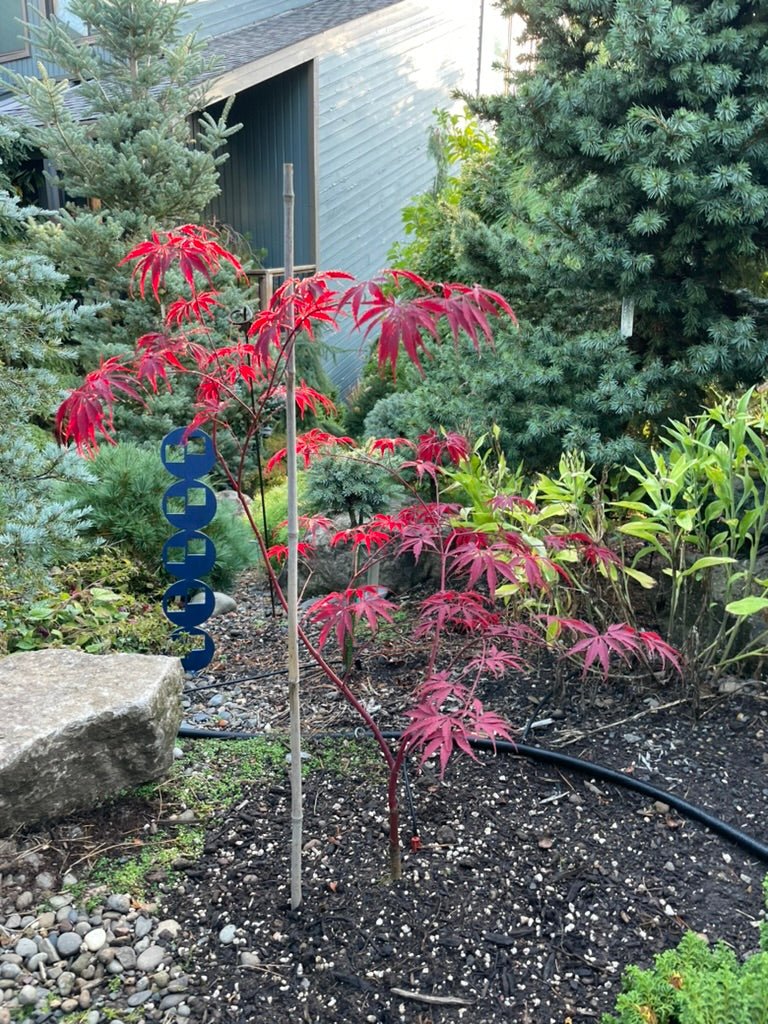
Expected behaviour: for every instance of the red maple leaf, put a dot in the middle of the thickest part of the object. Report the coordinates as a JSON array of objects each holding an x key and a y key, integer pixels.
[
  {"x": 432, "y": 447},
  {"x": 494, "y": 661},
  {"x": 506, "y": 502},
  {"x": 238, "y": 362},
  {"x": 279, "y": 552},
  {"x": 463, "y": 610},
  {"x": 387, "y": 445},
  {"x": 407, "y": 322},
  {"x": 299, "y": 304},
  {"x": 656, "y": 647},
  {"x": 195, "y": 308},
  {"x": 192, "y": 248},
  {"x": 476, "y": 558},
  {"x": 592, "y": 552},
  {"x": 315, "y": 526},
  {"x": 437, "y": 730},
  {"x": 366, "y": 536},
  {"x": 88, "y": 409},
  {"x": 620, "y": 640},
  {"x": 314, "y": 442},
  {"x": 340, "y": 610},
  {"x": 155, "y": 352},
  {"x": 307, "y": 399}
]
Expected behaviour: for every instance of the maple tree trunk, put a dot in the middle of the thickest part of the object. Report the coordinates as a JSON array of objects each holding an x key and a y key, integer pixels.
[
  {"x": 294, "y": 704},
  {"x": 395, "y": 860}
]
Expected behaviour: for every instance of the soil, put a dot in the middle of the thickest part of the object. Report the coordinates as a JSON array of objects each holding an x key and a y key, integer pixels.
[{"x": 532, "y": 889}]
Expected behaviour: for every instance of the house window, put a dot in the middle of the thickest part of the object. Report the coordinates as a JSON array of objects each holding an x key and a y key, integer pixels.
[
  {"x": 61, "y": 9},
  {"x": 13, "y": 36}
]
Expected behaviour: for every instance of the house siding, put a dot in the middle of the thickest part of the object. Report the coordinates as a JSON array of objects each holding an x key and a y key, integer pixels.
[
  {"x": 22, "y": 65},
  {"x": 347, "y": 94},
  {"x": 376, "y": 93},
  {"x": 277, "y": 129}
]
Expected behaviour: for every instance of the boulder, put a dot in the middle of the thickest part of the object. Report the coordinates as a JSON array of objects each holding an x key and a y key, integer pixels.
[
  {"x": 79, "y": 727},
  {"x": 223, "y": 604},
  {"x": 328, "y": 568}
]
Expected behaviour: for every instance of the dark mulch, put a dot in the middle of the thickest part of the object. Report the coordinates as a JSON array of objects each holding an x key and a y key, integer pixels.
[{"x": 533, "y": 888}]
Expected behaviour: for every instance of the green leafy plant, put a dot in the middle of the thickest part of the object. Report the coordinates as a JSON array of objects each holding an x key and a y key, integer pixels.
[
  {"x": 458, "y": 143},
  {"x": 700, "y": 512},
  {"x": 561, "y": 516},
  {"x": 696, "y": 984},
  {"x": 93, "y": 618},
  {"x": 275, "y": 509}
]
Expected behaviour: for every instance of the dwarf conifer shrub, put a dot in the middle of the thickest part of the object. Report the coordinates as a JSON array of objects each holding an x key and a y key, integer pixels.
[
  {"x": 696, "y": 984},
  {"x": 352, "y": 484}
]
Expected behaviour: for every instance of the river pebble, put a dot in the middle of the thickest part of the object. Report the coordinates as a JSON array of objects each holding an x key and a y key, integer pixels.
[{"x": 62, "y": 962}]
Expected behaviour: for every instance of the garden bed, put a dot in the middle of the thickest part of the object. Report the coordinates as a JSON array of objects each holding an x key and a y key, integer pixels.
[{"x": 532, "y": 890}]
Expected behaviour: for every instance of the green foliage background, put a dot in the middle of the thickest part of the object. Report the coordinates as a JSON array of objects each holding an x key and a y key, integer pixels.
[{"x": 630, "y": 166}]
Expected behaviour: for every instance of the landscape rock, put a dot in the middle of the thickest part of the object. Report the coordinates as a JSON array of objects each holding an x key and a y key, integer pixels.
[
  {"x": 78, "y": 727},
  {"x": 68, "y": 944},
  {"x": 326, "y": 568},
  {"x": 222, "y": 603}
]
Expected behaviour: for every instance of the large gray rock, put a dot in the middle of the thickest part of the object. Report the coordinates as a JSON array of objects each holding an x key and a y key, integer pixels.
[
  {"x": 328, "y": 569},
  {"x": 78, "y": 727}
]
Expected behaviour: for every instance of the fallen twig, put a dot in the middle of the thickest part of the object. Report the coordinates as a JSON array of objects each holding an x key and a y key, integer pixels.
[
  {"x": 421, "y": 997},
  {"x": 622, "y": 721}
]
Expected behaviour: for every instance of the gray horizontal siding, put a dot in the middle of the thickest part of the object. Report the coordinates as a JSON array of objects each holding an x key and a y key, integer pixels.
[
  {"x": 22, "y": 65},
  {"x": 376, "y": 95}
]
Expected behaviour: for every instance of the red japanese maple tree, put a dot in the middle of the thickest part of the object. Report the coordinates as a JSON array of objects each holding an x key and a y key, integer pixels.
[{"x": 399, "y": 312}]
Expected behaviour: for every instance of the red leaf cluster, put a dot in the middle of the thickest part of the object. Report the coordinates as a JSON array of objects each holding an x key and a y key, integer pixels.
[
  {"x": 339, "y": 611},
  {"x": 191, "y": 248},
  {"x": 407, "y": 322},
  {"x": 618, "y": 640},
  {"x": 314, "y": 442},
  {"x": 432, "y": 447},
  {"x": 446, "y": 717},
  {"x": 88, "y": 409}
]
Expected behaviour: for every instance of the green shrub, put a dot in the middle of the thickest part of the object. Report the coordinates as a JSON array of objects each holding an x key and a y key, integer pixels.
[
  {"x": 90, "y": 606},
  {"x": 696, "y": 984},
  {"x": 700, "y": 510},
  {"x": 348, "y": 483},
  {"x": 276, "y": 507},
  {"x": 124, "y": 503},
  {"x": 396, "y": 415}
]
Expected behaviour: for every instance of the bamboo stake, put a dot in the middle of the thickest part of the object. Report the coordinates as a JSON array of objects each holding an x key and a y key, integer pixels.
[{"x": 294, "y": 705}]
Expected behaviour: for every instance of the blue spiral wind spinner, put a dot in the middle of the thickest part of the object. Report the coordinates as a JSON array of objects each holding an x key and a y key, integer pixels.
[{"x": 189, "y": 505}]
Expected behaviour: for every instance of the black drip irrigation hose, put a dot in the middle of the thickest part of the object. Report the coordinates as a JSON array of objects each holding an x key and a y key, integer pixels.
[
  {"x": 551, "y": 757},
  {"x": 307, "y": 669},
  {"x": 532, "y": 720}
]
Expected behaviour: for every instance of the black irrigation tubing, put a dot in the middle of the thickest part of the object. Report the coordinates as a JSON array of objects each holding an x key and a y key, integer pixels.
[
  {"x": 307, "y": 668},
  {"x": 551, "y": 757},
  {"x": 529, "y": 724}
]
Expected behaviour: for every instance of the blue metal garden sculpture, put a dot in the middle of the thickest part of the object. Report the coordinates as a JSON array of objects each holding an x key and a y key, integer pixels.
[{"x": 189, "y": 505}]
